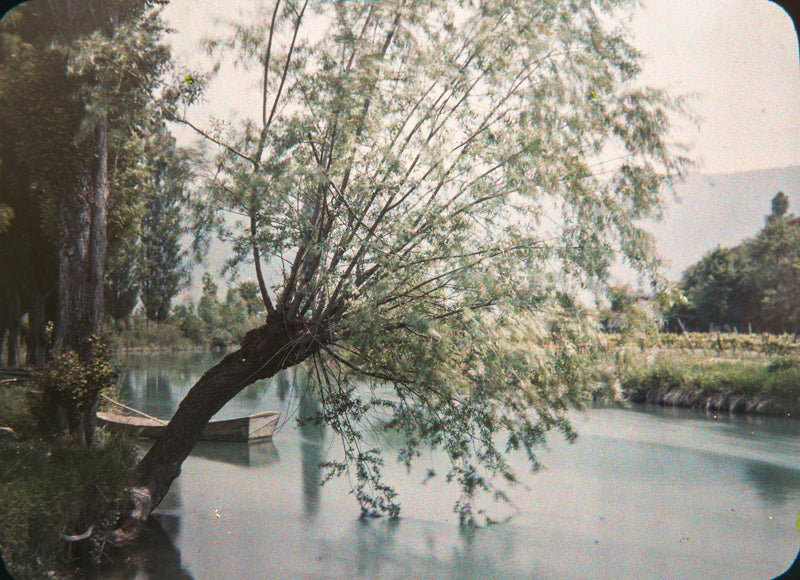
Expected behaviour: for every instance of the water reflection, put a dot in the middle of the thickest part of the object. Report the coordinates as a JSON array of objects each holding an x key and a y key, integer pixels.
[
  {"x": 148, "y": 390},
  {"x": 774, "y": 484},
  {"x": 661, "y": 494},
  {"x": 245, "y": 454},
  {"x": 313, "y": 435},
  {"x": 153, "y": 556},
  {"x": 375, "y": 543},
  {"x": 284, "y": 384}
]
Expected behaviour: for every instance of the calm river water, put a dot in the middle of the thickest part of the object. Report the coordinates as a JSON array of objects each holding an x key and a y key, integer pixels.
[{"x": 643, "y": 493}]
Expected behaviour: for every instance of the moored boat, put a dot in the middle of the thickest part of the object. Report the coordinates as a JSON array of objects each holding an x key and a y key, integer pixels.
[{"x": 249, "y": 428}]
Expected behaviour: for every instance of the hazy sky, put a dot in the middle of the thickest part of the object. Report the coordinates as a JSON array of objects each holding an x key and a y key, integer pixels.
[{"x": 739, "y": 57}]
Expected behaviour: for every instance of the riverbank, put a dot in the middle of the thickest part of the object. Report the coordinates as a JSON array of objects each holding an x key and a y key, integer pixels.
[
  {"x": 52, "y": 493},
  {"x": 744, "y": 384}
]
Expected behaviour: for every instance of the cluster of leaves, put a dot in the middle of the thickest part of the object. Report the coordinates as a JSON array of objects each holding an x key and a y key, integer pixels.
[
  {"x": 67, "y": 390},
  {"x": 752, "y": 286}
]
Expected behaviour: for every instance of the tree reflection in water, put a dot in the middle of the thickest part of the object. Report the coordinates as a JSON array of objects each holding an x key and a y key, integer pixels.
[
  {"x": 313, "y": 435},
  {"x": 152, "y": 557}
]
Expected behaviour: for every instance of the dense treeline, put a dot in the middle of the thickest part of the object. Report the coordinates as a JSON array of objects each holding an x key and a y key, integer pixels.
[
  {"x": 91, "y": 181},
  {"x": 750, "y": 287},
  {"x": 211, "y": 322}
]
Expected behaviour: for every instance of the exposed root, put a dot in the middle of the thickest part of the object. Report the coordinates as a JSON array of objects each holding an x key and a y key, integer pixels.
[
  {"x": 141, "y": 504},
  {"x": 78, "y": 537},
  {"x": 8, "y": 431}
]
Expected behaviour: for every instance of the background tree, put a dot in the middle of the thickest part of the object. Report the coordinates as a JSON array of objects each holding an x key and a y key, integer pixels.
[
  {"x": 426, "y": 183},
  {"x": 773, "y": 269},
  {"x": 208, "y": 307},
  {"x": 163, "y": 270},
  {"x": 779, "y": 205},
  {"x": 77, "y": 80},
  {"x": 248, "y": 292},
  {"x": 715, "y": 292},
  {"x": 750, "y": 286}
]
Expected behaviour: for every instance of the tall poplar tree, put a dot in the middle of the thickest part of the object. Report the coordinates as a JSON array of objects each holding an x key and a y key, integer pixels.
[{"x": 163, "y": 268}]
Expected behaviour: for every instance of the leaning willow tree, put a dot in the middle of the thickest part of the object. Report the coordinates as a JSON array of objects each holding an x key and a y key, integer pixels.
[{"x": 426, "y": 193}]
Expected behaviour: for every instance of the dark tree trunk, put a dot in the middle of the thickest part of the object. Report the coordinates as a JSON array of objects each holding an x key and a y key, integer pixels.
[
  {"x": 72, "y": 312},
  {"x": 82, "y": 254},
  {"x": 36, "y": 341},
  {"x": 14, "y": 320},
  {"x": 81, "y": 269},
  {"x": 264, "y": 352}
]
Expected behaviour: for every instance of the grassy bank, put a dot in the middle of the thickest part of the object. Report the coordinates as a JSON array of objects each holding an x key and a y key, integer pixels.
[
  {"x": 734, "y": 384},
  {"x": 49, "y": 491}
]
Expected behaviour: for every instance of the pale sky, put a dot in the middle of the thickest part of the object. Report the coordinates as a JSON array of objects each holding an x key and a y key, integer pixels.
[{"x": 740, "y": 57}]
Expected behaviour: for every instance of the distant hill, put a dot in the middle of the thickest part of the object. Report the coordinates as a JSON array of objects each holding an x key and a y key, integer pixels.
[{"x": 719, "y": 210}]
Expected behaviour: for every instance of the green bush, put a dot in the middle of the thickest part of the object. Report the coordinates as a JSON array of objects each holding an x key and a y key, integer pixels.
[
  {"x": 65, "y": 393},
  {"x": 14, "y": 410},
  {"x": 779, "y": 378}
]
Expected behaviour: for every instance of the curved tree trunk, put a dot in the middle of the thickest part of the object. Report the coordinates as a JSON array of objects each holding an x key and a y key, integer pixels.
[{"x": 264, "y": 352}]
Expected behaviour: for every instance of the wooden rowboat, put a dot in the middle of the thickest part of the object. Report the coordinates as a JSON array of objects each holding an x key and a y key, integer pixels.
[{"x": 250, "y": 428}]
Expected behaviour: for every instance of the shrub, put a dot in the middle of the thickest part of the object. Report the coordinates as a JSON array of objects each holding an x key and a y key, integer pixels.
[{"x": 65, "y": 394}]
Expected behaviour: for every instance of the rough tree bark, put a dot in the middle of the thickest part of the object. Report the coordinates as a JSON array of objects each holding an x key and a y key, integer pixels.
[
  {"x": 264, "y": 351},
  {"x": 73, "y": 249},
  {"x": 81, "y": 269},
  {"x": 82, "y": 254}
]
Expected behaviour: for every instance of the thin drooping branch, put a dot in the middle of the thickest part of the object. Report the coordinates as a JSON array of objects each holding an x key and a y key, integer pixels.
[
  {"x": 470, "y": 265},
  {"x": 278, "y": 93},
  {"x": 395, "y": 379},
  {"x": 266, "y": 122},
  {"x": 267, "y": 59},
  {"x": 211, "y": 138},
  {"x": 311, "y": 262},
  {"x": 490, "y": 117}
]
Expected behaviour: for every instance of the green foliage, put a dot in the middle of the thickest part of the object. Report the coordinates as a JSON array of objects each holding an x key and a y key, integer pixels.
[
  {"x": 773, "y": 270},
  {"x": 250, "y": 295},
  {"x": 14, "y": 409},
  {"x": 6, "y": 215},
  {"x": 190, "y": 325},
  {"x": 753, "y": 285},
  {"x": 67, "y": 391},
  {"x": 779, "y": 205},
  {"x": 701, "y": 380},
  {"x": 212, "y": 323},
  {"x": 68, "y": 69},
  {"x": 163, "y": 267},
  {"x": 50, "y": 490},
  {"x": 173, "y": 333},
  {"x": 733, "y": 343}
]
